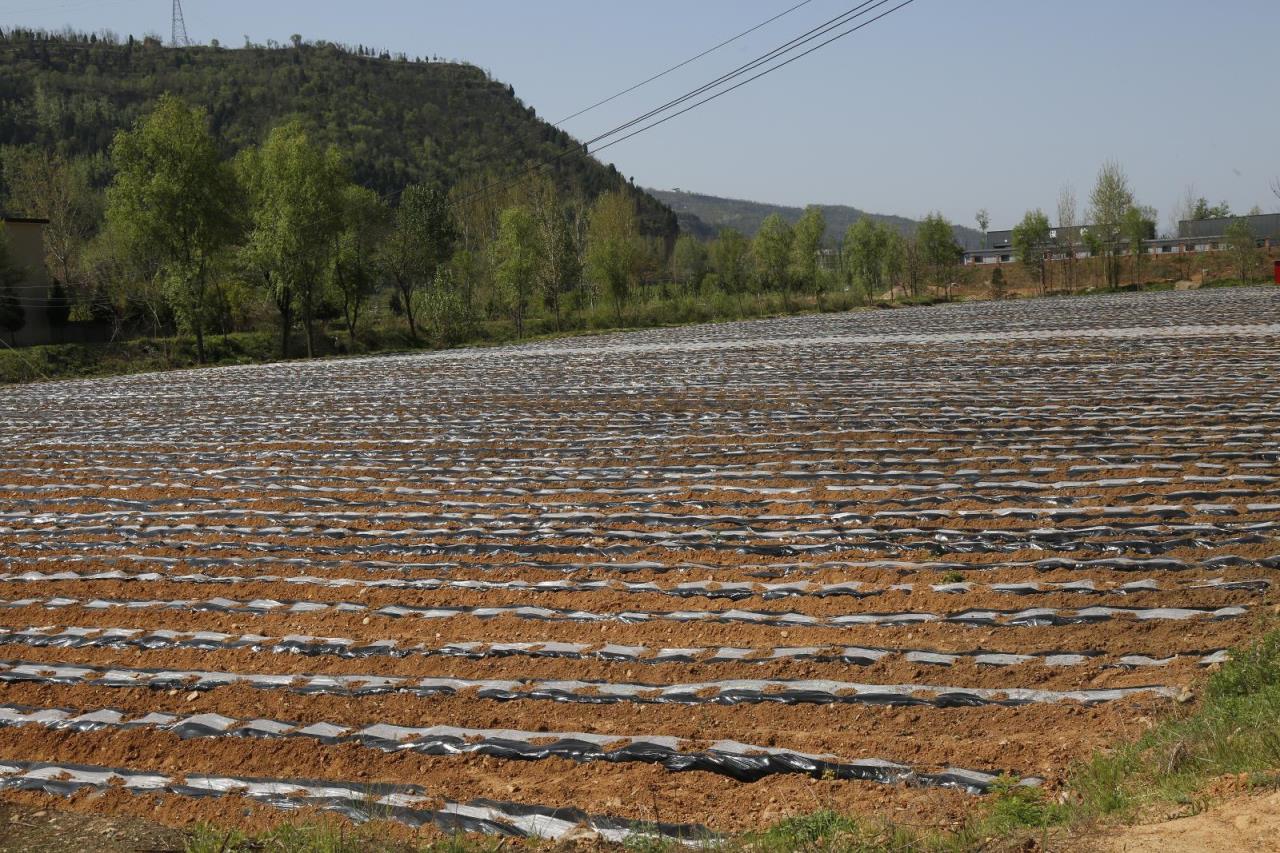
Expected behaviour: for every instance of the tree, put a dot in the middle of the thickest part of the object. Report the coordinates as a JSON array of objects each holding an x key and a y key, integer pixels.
[
  {"x": 771, "y": 249},
  {"x": 12, "y": 315},
  {"x": 296, "y": 210},
  {"x": 806, "y": 245},
  {"x": 983, "y": 219},
  {"x": 1110, "y": 200},
  {"x": 689, "y": 262},
  {"x": 895, "y": 259},
  {"x": 1203, "y": 210},
  {"x": 46, "y": 185},
  {"x": 559, "y": 266},
  {"x": 997, "y": 283},
  {"x": 1138, "y": 225},
  {"x": 1243, "y": 246},
  {"x": 1068, "y": 222},
  {"x": 914, "y": 264},
  {"x": 939, "y": 249},
  {"x": 613, "y": 245},
  {"x": 866, "y": 254},
  {"x": 355, "y": 269},
  {"x": 423, "y": 240},
  {"x": 1031, "y": 243},
  {"x": 173, "y": 201},
  {"x": 731, "y": 258},
  {"x": 516, "y": 259}
]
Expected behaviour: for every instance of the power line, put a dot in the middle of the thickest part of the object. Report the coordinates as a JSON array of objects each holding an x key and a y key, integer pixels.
[
  {"x": 799, "y": 41},
  {"x": 688, "y": 61},
  {"x": 770, "y": 70},
  {"x": 787, "y": 47}
]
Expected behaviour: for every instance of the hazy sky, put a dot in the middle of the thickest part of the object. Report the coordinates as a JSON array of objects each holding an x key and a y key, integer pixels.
[{"x": 948, "y": 104}]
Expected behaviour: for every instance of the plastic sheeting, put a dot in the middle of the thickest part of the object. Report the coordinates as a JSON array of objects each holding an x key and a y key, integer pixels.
[
  {"x": 740, "y": 761},
  {"x": 722, "y": 692}
]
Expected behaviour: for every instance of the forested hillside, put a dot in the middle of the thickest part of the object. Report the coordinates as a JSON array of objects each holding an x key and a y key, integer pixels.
[
  {"x": 398, "y": 121},
  {"x": 705, "y": 215}
]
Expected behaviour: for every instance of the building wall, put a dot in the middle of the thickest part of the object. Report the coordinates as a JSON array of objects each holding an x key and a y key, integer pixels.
[{"x": 26, "y": 249}]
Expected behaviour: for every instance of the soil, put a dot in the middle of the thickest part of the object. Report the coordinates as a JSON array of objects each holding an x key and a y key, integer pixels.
[{"x": 786, "y": 451}]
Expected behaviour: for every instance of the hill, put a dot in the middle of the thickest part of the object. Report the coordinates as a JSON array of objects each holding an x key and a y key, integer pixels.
[
  {"x": 704, "y": 215},
  {"x": 399, "y": 121}
]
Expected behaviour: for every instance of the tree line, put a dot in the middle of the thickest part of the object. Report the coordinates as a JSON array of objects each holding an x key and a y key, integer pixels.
[
  {"x": 1116, "y": 227},
  {"x": 281, "y": 233}
]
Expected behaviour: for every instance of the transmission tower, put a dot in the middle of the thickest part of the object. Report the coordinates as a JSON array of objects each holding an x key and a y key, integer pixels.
[{"x": 178, "y": 36}]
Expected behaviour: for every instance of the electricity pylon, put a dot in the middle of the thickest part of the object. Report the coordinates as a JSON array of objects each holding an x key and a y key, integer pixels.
[{"x": 178, "y": 32}]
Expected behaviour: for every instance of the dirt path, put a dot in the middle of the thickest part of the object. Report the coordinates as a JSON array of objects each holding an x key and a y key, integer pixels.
[{"x": 1240, "y": 825}]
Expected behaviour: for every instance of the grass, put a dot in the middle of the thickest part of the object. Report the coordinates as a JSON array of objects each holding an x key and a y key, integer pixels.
[{"x": 654, "y": 309}]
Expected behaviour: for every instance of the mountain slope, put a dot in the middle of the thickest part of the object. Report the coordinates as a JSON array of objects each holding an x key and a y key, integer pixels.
[
  {"x": 397, "y": 121},
  {"x": 705, "y": 215}
]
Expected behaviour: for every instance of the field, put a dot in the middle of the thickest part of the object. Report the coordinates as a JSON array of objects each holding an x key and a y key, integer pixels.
[{"x": 685, "y": 582}]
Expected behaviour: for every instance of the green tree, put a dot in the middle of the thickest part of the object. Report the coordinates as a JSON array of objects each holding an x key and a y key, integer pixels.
[
  {"x": 423, "y": 241},
  {"x": 1137, "y": 225},
  {"x": 559, "y": 264},
  {"x": 771, "y": 250},
  {"x": 517, "y": 257},
  {"x": 1110, "y": 200},
  {"x": 296, "y": 211},
  {"x": 806, "y": 244},
  {"x": 1031, "y": 243},
  {"x": 983, "y": 219},
  {"x": 895, "y": 259},
  {"x": 997, "y": 283},
  {"x": 939, "y": 250},
  {"x": 867, "y": 254},
  {"x": 690, "y": 262},
  {"x": 614, "y": 251},
  {"x": 731, "y": 259},
  {"x": 173, "y": 201},
  {"x": 1203, "y": 210},
  {"x": 355, "y": 270},
  {"x": 1243, "y": 246}
]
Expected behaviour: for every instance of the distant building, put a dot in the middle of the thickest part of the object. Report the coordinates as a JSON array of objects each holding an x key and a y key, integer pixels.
[
  {"x": 1198, "y": 235},
  {"x": 1265, "y": 226},
  {"x": 25, "y": 238}
]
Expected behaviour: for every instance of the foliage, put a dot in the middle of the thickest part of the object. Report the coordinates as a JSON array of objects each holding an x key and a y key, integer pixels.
[
  {"x": 690, "y": 262},
  {"x": 1203, "y": 210},
  {"x": 705, "y": 216},
  {"x": 46, "y": 185},
  {"x": 399, "y": 122},
  {"x": 559, "y": 269},
  {"x": 1031, "y": 243},
  {"x": 1138, "y": 224},
  {"x": 1243, "y": 246},
  {"x": 939, "y": 251},
  {"x": 1110, "y": 200},
  {"x": 871, "y": 253},
  {"x": 805, "y": 245},
  {"x": 173, "y": 202},
  {"x": 771, "y": 250},
  {"x": 731, "y": 259},
  {"x": 364, "y": 223},
  {"x": 422, "y": 241},
  {"x": 613, "y": 247},
  {"x": 517, "y": 256},
  {"x": 296, "y": 207}
]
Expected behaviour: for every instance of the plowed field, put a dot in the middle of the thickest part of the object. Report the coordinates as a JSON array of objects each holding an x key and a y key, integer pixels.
[{"x": 684, "y": 581}]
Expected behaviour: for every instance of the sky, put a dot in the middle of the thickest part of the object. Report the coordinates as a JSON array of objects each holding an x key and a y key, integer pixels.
[{"x": 949, "y": 105}]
